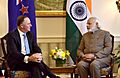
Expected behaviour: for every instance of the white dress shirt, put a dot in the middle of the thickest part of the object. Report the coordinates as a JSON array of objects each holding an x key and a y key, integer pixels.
[{"x": 23, "y": 51}]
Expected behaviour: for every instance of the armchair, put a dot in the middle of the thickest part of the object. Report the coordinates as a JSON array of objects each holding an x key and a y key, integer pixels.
[{"x": 8, "y": 72}]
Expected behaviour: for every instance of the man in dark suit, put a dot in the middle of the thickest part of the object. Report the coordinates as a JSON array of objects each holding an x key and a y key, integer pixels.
[{"x": 22, "y": 58}]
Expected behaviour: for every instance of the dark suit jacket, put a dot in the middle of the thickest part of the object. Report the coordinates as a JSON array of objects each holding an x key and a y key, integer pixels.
[{"x": 15, "y": 57}]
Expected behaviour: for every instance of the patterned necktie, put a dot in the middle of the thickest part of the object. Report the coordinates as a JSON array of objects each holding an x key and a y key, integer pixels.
[{"x": 26, "y": 45}]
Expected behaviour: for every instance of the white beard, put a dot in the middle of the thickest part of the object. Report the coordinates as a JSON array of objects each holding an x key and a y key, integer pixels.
[{"x": 93, "y": 29}]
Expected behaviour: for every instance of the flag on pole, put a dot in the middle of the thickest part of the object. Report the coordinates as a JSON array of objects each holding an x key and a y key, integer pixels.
[
  {"x": 21, "y": 7},
  {"x": 76, "y": 18}
]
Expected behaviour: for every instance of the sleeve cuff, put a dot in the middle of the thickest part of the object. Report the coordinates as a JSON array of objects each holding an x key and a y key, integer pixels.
[{"x": 26, "y": 59}]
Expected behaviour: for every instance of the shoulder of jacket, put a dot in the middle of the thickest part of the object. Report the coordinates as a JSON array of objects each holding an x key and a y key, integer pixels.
[{"x": 104, "y": 31}]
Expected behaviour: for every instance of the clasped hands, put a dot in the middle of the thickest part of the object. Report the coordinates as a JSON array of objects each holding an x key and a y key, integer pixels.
[
  {"x": 88, "y": 57},
  {"x": 36, "y": 57}
]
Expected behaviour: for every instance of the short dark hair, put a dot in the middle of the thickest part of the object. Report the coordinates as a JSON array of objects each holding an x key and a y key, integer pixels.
[{"x": 20, "y": 19}]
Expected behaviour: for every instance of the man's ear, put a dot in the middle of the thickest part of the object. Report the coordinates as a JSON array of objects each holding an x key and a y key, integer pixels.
[{"x": 21, "y": 25}]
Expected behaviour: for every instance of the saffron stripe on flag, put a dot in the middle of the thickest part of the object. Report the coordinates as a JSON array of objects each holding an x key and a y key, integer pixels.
[{"x": 89, "y": 5}]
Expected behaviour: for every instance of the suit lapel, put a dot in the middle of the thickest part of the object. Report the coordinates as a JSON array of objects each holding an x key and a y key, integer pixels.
[{"x": 17, "y": 37}]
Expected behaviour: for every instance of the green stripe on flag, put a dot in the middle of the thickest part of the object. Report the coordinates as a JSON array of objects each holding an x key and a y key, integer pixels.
[{"x": 73, "y": 37}]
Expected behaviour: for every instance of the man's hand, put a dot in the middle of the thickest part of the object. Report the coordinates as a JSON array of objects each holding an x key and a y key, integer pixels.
[
  {"x": 37, "y": 57},
  {"x": 88, "y": 57}
]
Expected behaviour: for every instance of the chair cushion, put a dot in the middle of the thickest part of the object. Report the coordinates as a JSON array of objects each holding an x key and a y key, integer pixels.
[
  {"x": 103, "y": 71},
  {"x": 20, "y": 74}
]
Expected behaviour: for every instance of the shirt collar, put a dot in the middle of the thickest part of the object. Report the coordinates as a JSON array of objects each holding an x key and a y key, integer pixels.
[{"x": 20, "y": 32}]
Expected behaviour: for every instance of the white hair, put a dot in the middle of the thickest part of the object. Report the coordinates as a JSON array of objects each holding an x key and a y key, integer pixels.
[{"x": 96, "y": 20}]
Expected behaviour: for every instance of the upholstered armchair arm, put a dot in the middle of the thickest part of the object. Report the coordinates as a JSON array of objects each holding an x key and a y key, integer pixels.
[{"x": 6, "y": 67}]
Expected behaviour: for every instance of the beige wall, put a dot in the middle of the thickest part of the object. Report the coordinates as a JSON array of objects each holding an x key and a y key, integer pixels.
[
  {"x": 107, "y": 12},
  {"x": 51, "y": 26}
]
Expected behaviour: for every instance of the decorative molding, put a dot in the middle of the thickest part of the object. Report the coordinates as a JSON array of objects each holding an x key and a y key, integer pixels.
[
  {"x": 50, "y": 39},
  {"x": 50, "y": 13},
  {"x": 116, "y": 38}
]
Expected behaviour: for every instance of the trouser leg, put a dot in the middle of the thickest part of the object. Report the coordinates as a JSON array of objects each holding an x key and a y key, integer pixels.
[
  {"x": 46, "y": 70},
  {"x": 83, "y": 69},
  {"x": 35, "y": 72},
  {"x": 95, "y": 67}
]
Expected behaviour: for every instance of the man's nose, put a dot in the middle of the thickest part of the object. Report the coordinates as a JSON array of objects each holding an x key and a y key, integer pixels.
[
  {"x": 87, "y": 25},
  {"x": 30, "y": 25}
]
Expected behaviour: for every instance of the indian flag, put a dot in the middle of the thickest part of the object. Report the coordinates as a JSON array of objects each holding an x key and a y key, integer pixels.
[{"x": 76, "y": 18}]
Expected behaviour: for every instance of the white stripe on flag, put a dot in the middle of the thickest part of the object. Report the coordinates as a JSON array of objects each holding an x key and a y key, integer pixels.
[
  {"x": 80, "y": 24},
  {"x": 18, "y": 1}
]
